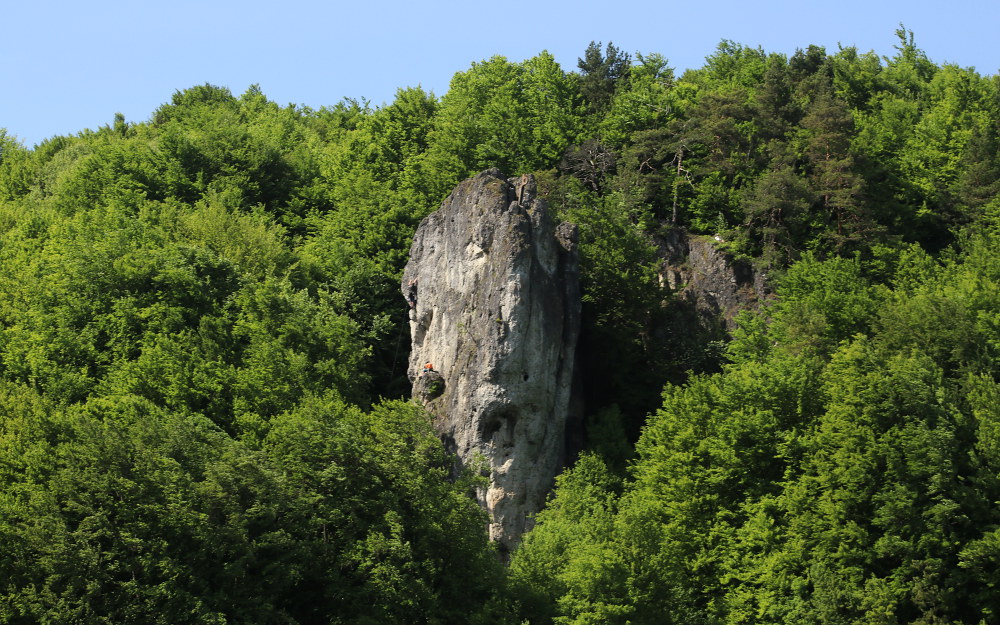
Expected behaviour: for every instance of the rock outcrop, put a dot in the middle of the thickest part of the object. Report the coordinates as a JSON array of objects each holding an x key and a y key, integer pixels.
[
  {"x": 493, "y": 287},
  {"x": 710, "y": 279}
]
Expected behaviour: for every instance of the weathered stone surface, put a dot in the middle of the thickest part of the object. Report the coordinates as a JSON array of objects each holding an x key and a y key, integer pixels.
[
  {"x": 718, "y": 285},
  {"x": 495, "y": 308},
  {"x": 428, "y": 386}
]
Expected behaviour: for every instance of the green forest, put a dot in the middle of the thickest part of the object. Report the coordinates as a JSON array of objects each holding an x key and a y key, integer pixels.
[{"x": 204, "y": 407}]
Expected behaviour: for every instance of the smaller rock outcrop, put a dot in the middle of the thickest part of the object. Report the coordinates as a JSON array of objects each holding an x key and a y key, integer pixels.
[
  {"x": 493, "y": 290},
  {"x": 428, "y": 386},
  {"x": 710, "y": 279}
]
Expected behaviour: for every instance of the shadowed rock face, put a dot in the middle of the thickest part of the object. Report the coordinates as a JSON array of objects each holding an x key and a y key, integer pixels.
[
  {"x": 715, "y": 283},
  {"x": 493, "y": 287}
]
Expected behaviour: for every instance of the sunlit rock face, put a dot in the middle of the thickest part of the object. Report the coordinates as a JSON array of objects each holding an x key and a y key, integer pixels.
[{"x": 493, "y": 289}]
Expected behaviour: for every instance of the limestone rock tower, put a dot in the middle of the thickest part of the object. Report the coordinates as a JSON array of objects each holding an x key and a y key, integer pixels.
[{"x": 493, "y": 289}]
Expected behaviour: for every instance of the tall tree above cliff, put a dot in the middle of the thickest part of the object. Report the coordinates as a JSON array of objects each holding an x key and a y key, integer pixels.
[
  {"x": 518, "y": 117},
  {"x": 601, "y": 73}
]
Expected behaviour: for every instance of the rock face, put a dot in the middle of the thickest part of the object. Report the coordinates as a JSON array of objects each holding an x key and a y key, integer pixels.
[
  {"x": 710, "y": 279},
  {"x": 493, "y": 289}
]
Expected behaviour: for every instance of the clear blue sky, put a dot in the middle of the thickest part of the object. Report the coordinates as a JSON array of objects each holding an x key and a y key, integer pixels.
[{"x": 69, "y": 65}]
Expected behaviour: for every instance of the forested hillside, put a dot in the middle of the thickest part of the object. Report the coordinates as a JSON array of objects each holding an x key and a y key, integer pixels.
[{"x": 203, "y": 352}]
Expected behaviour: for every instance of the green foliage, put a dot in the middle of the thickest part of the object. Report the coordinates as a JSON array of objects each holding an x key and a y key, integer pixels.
[
  {"x": 813, "y": 152},
  {"x": 118, "y": 511},
  {"x": 645, "y": 101},
  {"x": 736, "y": 63},
  {"x": 199, "y": 315},
  {"x": 622, "y": 362},
  {"x": 195, "y": 315},
  {"x": 568, "y": 551},
  {"x": 841, "y": 469},
  {"x": 602, "y": 73},
  {"x": 517, "y": 117},
  {"x": 15, "y": 173},
  {"x": 824, "y": 304}
]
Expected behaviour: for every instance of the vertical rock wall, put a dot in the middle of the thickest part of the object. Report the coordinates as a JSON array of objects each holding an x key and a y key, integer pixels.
[
  {"x": 493, "y": 287},
  {"x": 717, "y": 285}
]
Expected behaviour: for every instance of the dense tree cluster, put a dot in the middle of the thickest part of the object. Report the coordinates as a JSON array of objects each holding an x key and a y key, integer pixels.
[
  {"x": 841, "y": 468},
  {"x": 199, "y": 321},
  {"x": 202, "y": 352}
]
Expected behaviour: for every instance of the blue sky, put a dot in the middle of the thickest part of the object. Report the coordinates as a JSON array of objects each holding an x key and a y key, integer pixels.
[{"x": 70, "y": 65}]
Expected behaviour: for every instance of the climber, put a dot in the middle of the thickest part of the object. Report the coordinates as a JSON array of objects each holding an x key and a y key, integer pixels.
[{"x": 428, "y": 367}]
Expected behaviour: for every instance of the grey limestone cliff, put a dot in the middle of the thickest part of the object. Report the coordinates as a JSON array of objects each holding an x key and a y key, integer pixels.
[
  {"x": 710, "y": 279},
  {"x": 494, "y": 299}
]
